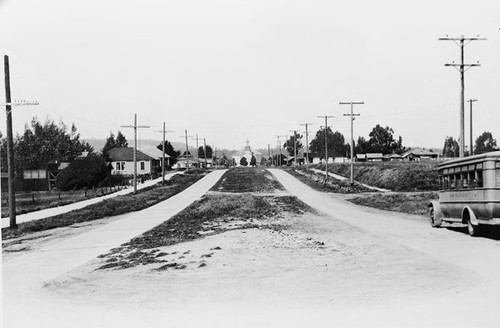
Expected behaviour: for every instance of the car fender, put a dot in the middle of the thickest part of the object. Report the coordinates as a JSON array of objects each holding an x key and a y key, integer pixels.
[
  {"x": 438, "y": 211},
  {"x": 472, "y": 216}
]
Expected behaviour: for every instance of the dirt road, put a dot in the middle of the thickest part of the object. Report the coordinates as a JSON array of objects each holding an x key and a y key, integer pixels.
[{"x": 346, "y": 266}]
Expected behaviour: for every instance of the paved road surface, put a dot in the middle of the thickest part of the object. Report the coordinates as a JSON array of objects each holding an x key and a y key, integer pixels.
[
  {"x": 74, "y": 206},
  {"x": 24, "y": 301}
]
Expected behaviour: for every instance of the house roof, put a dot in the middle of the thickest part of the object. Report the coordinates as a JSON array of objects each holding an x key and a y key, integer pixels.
[
  {"x": 127, "y": 154},
  {"x": 420, "y": 152},
  {"x": 374, "y": 155},
  {"x": 154, "y": 152}
]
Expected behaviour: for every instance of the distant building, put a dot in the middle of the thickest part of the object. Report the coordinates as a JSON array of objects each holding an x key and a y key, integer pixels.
[
  {"x": 370, "y": 157},
  {"x": 246, "y": 152},
  {"x": 420, "y": 154}
]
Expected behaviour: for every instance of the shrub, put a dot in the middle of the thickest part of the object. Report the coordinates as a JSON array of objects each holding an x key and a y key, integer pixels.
[{"x": 84, "y": 172}]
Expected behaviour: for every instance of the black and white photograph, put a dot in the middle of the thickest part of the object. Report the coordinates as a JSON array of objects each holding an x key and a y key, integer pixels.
[{"x": 250, "y": 163}]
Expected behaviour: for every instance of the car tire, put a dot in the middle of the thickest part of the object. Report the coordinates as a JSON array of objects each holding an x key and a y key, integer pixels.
[{"x": 432, "y": 218}]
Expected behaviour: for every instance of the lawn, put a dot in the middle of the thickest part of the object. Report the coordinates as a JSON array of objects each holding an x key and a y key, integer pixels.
[{"x": 31, "y": 201}]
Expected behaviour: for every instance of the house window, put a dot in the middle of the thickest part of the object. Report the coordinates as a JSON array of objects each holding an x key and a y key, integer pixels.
[
  {"x": 120, "y": 166},
  {"x": 143, "y": 165}
]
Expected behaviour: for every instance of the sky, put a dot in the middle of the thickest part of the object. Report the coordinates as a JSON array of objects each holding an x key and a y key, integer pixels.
[{"x": 229, "y": 70}]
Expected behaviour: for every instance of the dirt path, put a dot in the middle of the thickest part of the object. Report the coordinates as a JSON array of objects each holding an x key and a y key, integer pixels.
[
  {"x": 37, "y": 215},
  {"x": 24, "y": 276}
]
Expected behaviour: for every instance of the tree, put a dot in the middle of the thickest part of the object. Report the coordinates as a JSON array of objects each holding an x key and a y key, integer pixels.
[
  {"x": 382, "y": 140},
  {"x": 243, "y": 161},
  {"x": 110, "y": 144},
  {"x": 43, "y": 143},
  {"x": 362, "y": 146},
  {"x": 451, "y": 147},
  {"x": 253, "y": 161},
  {"x": 485, "y": 143},
  {"x": 170, "y": 151},
  {"x": 3, "y": 153},
  {"x": 201, "y": 152},
  {"x": 85, "y": 172},
  {"x": 335, "y": 140},
  {"x": 121, "y": 141},
  {"x": 289, "y": 145}
]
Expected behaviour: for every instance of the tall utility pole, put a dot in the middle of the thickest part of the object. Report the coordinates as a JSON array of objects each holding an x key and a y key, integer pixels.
[
  {"x": 352, "y": 103},
  {"x": 278, "y": 160},
  {"x": 307, "y": 144},
  {"x": 326, "y": 117},
  {"x": 471, "y": 144},
  {"x": 294, "y": 147},
  {"x": 205, "y": 153},
  {"x": 462, "y": 42},
  {"x": 187, "y": 150},
  {"x": 10, "y": 142},
  {"x": 135, "y": 126},
  {"x": 163, "y": 158}
]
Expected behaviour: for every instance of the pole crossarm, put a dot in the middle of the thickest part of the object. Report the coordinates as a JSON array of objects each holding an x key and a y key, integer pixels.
[{"x": 462, "y": 42}]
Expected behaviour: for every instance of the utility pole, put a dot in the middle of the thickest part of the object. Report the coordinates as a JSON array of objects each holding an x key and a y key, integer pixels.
[
  {"x": 163, "y": 158},
  {"x": 307, "y": 145},
  {"x": 352, "y": 103},
  {"x": 294, "y": 147},
  {"x": 187, "y": 151},
  {"x": 278, "y": 161},
  {"x": 10, "y": 143},
  {"x": 205, "y": 153},
  {"x": 462, "y": 42},
  {"x": 269, "y": 153},
  {"x": 326, "y": 117},
  {"x": 471, "y": 144},
  {"x": 135, "y": 126}
]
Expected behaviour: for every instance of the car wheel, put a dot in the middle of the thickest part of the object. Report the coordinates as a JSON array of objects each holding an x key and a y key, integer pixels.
[
  {"x": 432, "y": 218},
  {"x": 472, "y": 229}
]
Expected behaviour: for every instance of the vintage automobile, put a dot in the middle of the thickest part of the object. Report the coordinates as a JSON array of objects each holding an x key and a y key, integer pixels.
[{"x": 469, "y": 192}]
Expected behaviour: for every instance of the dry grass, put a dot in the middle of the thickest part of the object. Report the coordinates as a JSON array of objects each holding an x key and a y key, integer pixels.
[
  {"x": 109, "y": 207},
  {"x": 409, "y": 203},
  {"x": 212, "y": 214},
  {"x": 403, "y": 176},
  {"x": 247, "y": 179}
]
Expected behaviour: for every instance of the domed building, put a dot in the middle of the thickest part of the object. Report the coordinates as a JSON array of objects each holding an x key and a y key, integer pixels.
[{"x": 246, "y": 152}]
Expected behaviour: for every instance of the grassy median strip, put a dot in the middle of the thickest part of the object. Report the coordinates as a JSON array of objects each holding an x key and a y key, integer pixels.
[
  {"x": 247, "y": 179},
  {"x": 212, "y": 214},
  {"x": 409, "y": 203},
  {"x": 109, "y": 207},
  {"x": 317, "y": 182}
]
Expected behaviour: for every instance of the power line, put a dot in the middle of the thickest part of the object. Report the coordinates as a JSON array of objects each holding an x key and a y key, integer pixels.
[
  {"x": 462, "y": 42},
  {"x": 352, "y": 115}
]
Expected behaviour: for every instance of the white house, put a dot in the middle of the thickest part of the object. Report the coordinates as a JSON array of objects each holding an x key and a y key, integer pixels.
[{"x": 122, "y": 161}]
